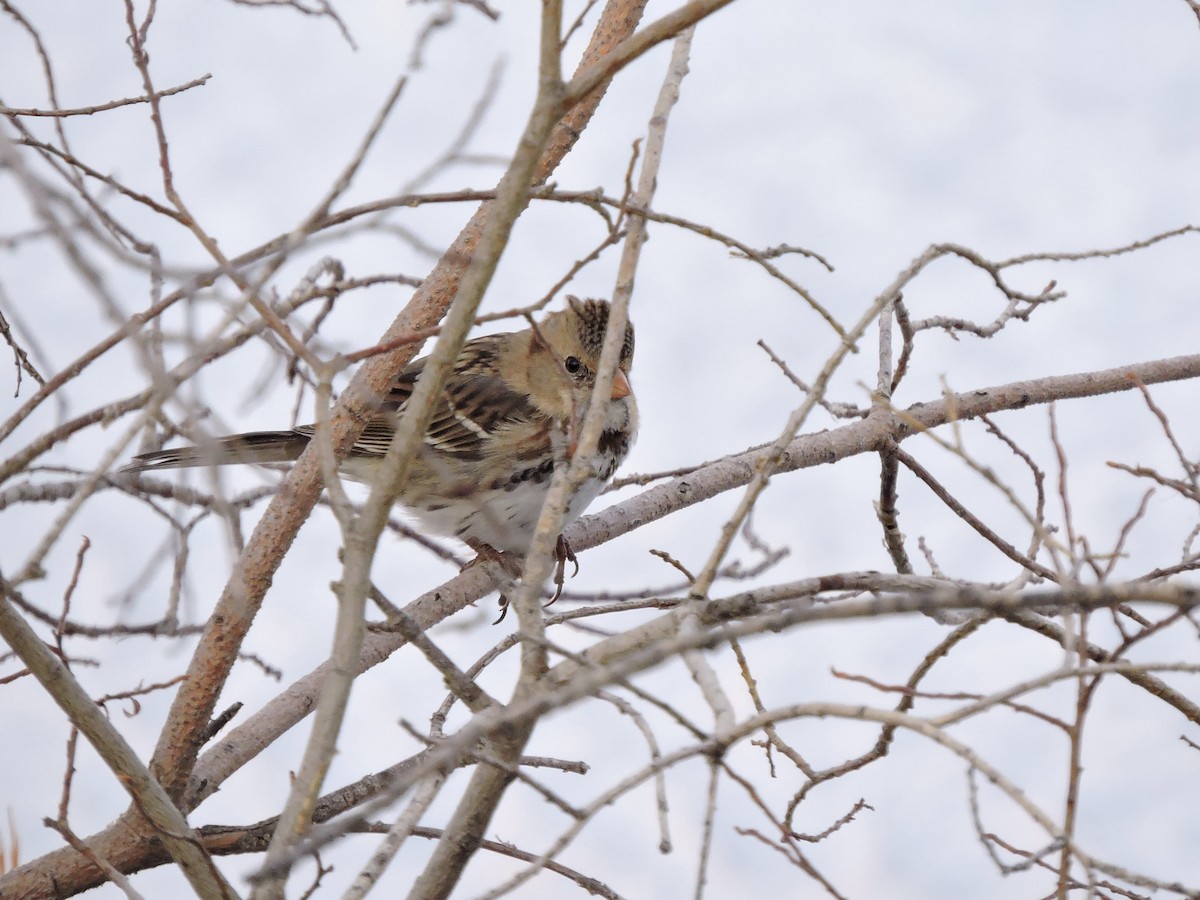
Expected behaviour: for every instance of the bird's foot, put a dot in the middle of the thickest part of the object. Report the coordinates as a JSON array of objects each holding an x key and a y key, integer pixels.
[
  {"x": 509, "y": 566},
  {"x": 504, "y": 568},
  {"x": 563, "y": 554}
]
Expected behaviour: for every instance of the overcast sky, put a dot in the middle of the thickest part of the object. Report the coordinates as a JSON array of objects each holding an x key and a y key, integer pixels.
[{"x": 863, "y": 131}]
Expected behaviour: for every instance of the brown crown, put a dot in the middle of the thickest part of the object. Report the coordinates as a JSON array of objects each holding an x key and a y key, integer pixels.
[{"x": 593, "y": 321}]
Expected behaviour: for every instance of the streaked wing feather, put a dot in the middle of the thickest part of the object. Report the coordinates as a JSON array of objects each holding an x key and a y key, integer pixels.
[{"x": 473, "y": 404}]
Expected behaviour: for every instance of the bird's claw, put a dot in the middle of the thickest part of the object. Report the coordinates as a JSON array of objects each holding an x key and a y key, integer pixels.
[{"x": 563, "y": 554}]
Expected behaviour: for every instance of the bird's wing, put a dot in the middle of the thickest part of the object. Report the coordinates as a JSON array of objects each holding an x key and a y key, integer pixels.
[{"x": 474, "y": 403}]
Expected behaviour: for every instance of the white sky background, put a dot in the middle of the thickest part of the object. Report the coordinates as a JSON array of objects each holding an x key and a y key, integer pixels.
[{"x": 864, "y": 131}]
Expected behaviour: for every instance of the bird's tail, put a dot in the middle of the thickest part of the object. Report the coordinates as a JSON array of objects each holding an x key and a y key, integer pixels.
[{"x": 254, "y": 447}]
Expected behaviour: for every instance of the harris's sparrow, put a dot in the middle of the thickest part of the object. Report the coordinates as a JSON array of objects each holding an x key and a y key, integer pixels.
[{"x": 506, "y": 419}]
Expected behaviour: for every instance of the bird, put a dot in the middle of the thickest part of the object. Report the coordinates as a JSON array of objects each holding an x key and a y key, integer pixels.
[{"x": 505, "y": 421}]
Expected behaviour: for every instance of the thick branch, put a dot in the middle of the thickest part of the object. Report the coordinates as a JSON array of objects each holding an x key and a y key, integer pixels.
[
  {"x": 168, "y": 823},
  {"x": 867, "y": 436},
  {"x": 239, "y": 603}
]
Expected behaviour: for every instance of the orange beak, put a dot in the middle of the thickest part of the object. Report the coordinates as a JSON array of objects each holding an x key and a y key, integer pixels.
[{"x": 621, "y": 386}]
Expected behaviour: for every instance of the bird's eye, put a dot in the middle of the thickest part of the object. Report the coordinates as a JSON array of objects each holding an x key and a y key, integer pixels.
[{"x": 573, "y": 364}]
